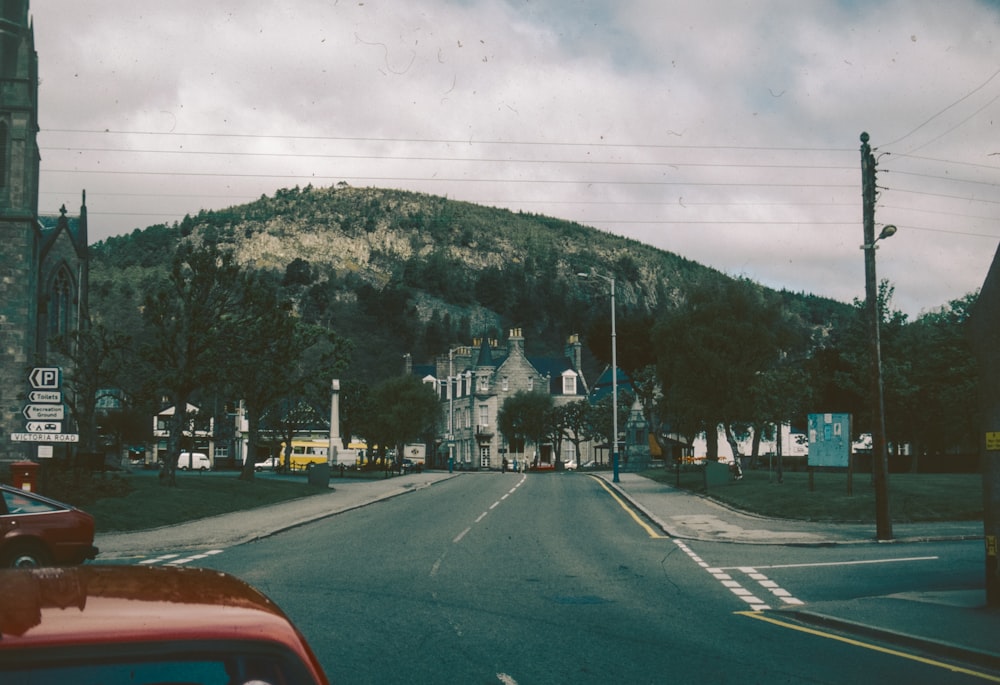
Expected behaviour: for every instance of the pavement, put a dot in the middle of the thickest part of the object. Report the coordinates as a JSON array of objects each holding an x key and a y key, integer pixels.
[{"x": 955, "y": 625}]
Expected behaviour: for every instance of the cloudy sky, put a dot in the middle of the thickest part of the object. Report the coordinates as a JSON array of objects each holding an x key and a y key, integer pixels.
[{"x": 726, "y": 132}]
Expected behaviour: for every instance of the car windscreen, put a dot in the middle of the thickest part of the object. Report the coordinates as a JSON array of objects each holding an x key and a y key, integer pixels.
[{"x": 134, "y": 665}]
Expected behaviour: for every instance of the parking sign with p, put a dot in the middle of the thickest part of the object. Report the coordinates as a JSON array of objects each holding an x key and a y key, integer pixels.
[{"x": 44, "y": 378}]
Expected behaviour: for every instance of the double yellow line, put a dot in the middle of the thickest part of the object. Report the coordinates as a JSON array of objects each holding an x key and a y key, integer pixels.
[
  {"x": 867, "y": 645},
  {"x": 760, "y": 616},
  {"x": 653, "y": 533}
]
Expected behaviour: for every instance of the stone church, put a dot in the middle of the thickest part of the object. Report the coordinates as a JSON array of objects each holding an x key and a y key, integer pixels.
[{"x": 43, "y": 260}]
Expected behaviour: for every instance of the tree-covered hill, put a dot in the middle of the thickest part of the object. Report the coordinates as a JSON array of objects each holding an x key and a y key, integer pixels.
[{"x": 405, "y": 273}]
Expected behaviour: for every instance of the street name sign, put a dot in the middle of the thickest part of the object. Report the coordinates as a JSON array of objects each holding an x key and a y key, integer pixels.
[
  {"x": 45, "y": 437},
  {"x": 44, "y": 412}
]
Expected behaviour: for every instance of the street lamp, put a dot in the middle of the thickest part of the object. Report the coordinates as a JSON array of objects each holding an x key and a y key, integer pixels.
[
  {"x": 614, "y": 380},
  {"x": 880, "y": 455}
]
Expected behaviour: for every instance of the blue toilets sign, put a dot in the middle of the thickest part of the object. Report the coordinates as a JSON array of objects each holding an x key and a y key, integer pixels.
[{"x": 830, "y": 440}]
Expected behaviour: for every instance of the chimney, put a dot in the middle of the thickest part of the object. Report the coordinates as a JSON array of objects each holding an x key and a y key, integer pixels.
[
  {"x": 574, "y": 350},
  {"x": 515, "y": 340}
]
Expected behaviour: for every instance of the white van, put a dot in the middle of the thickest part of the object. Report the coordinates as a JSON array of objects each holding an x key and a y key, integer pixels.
[{"x": 192, "y": 461}]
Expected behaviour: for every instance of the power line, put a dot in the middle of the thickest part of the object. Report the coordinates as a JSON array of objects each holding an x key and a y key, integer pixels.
[
  {"x": 480, "y": 160},
  {"x": 449, "y": 141},
  {"x": 425, "y": 179},
  {"x": 937, "y": 114}
]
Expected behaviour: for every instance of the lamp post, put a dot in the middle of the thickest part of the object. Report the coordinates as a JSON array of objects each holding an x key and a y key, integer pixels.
[
  {"x": 614, "y": 380},
  {"x": 880, "y": 456},
  {"x": 331, "y": 457}
]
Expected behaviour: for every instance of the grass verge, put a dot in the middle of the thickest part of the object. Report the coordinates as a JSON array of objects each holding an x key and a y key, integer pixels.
[
  {"x": 150, "y": 505},
  {"x": 912, "y": 496}
]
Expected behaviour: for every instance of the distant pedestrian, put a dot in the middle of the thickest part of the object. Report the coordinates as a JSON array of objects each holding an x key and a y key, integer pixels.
[{"x": 503, "y": 465}]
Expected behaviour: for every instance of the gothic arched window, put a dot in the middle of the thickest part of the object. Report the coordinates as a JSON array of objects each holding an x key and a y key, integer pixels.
[{"x": 61, "y": 304}]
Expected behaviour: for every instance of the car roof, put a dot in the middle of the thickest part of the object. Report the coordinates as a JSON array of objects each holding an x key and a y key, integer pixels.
[{"x": 94, "y": 604}]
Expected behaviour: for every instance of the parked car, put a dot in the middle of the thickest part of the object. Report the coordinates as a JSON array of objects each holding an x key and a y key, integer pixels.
[
  {"x": 143, "y": 624},
  {"x": 38, "y": 531},
  {"x": 270, "y": 464}
]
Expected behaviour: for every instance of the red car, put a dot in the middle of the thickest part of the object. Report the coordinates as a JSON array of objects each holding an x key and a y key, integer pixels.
[
  {"x": 143, "y": 624},
  {"x": 38, "y": 531}
]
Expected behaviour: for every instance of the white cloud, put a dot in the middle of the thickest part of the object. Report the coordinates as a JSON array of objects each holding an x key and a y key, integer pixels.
[{"x": 726, "y": 132}]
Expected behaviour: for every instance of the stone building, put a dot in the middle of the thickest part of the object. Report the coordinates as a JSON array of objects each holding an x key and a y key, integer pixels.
[
  {"x": 473, "y": 383},
  {"x": 43, "y": 260}
]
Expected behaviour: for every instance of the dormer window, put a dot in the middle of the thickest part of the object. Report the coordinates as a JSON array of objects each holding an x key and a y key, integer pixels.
[
  {"x": 484, "y": 384},
  {"x": 569, "y": 383}
]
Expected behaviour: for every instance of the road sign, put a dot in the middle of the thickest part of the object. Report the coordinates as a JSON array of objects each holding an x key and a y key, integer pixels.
[
  {"x": 44, "y": 378},
  {"x": 44, "y": 412},
  {"x": 45, "y": 396},
  {"x": 43, "y": 426},
  {"x": 45, "y": 437}
]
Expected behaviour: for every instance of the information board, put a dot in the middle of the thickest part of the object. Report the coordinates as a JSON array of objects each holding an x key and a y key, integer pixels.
[{"x": 830, "y": 440}]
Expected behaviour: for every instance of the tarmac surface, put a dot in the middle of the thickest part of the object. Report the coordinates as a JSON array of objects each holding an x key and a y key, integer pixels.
[{"x": 949, "y": 625}]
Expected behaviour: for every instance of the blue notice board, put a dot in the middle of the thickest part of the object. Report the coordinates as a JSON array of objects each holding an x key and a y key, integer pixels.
[{"x": 829, "y": 440}]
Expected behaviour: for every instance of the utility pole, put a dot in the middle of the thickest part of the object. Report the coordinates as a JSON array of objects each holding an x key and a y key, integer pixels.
[
  {"x": 985, "y": 337},
  {"x": 880, "y": 456}
]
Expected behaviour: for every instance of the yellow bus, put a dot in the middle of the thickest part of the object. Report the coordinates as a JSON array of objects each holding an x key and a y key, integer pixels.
[{"x": 305, "y": 453}]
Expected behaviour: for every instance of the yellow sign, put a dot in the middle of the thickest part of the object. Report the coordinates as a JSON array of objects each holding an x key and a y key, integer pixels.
[
  {"x": 991, "y": 545},
  {"x": 992, "y": 442}
]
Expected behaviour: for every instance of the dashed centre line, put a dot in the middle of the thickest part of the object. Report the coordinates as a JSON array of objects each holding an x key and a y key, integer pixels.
[{"x": 435, "y": 567}]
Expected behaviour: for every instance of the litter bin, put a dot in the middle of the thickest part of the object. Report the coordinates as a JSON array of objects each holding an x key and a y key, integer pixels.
[
  {"x": 319, "y": 476},
  {"x": 24, "y": 474}
]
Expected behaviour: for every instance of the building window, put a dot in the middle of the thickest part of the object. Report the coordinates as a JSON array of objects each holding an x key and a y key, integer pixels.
[
  {"x": 484, "y": 415},
  {"x": 506, "y": 384},
  {"x": 569, "y": 383},
  {"x": 484, "y": 383},
  {"x": 3, "y": 154},
  {"x": 569, "y": 451},
  {"x": 531, "y": 383}
]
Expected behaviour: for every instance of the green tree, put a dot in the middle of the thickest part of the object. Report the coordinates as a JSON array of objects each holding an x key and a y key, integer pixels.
[
  {"x": 268, "y": 349},
  {"x": 182, "y": 345},
  {"x": 573, "y": 422},
  {"x": 526, "y": 417},
  {"x": 406, "y": 410},
  {"x": 317, "y": 356},
  {"x": 941, "y": 414},
  {"x": 95, "y": 358},
  {"x": 714, "y": 350}
]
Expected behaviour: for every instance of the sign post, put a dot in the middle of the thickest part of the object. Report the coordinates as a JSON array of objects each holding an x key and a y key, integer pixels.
[{"x": 45, "y": 412}]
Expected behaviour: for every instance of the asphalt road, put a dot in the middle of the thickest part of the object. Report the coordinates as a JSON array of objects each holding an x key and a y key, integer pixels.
[{"x": 498, "y": 578}]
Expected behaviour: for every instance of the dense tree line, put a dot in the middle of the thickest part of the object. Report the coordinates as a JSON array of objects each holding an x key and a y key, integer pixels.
[{"x": 176, "y": 316}]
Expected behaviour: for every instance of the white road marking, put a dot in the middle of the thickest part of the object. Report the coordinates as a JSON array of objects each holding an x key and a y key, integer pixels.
[
  {"x": 850, "y": 563},
  {"x": 436, "y": 566},
  {"x": 734, "y": 586},
  {"x": 177, "y": 559}
]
